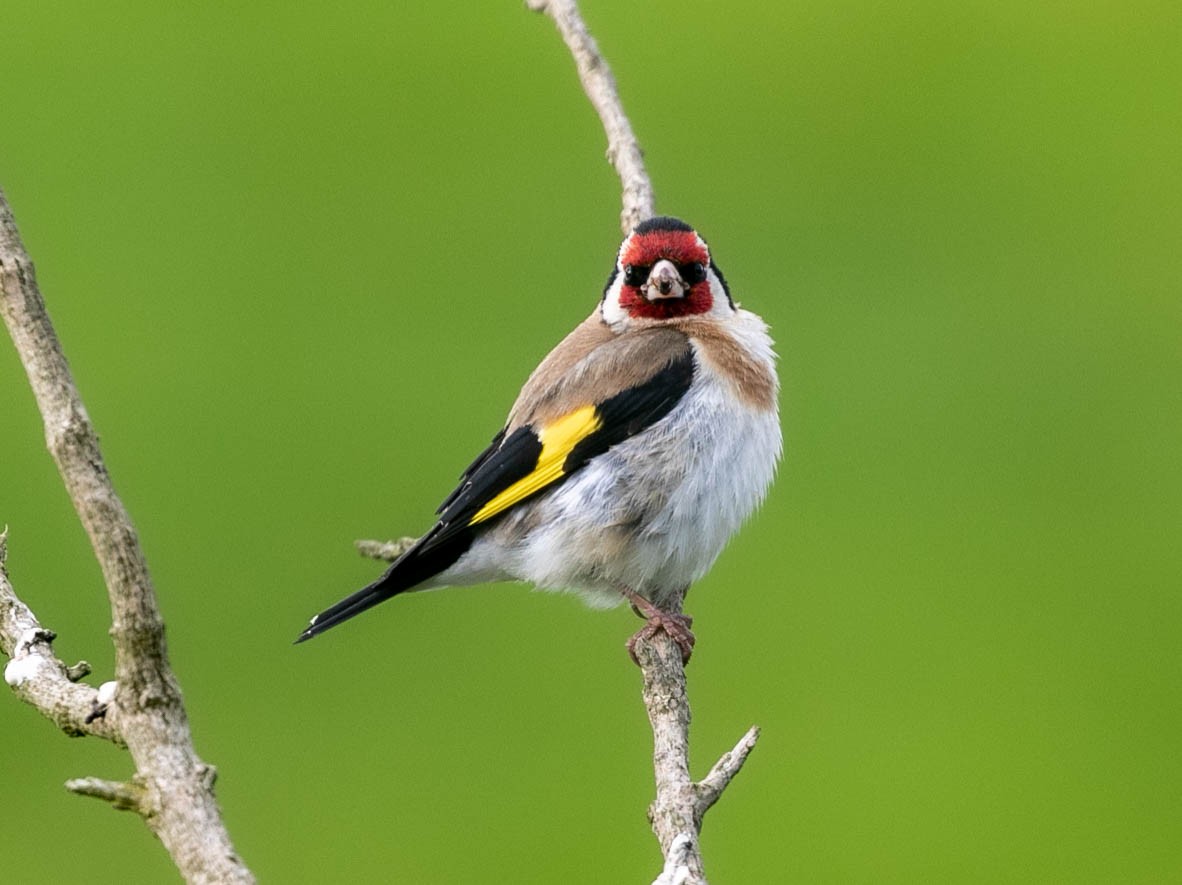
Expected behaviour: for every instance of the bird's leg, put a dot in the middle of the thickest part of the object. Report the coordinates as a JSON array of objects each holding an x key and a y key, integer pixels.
[{"x": 675, "y": 624}]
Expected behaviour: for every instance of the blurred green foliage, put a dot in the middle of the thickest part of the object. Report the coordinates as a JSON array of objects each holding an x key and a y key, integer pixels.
[{"x": 301, "y": 258}]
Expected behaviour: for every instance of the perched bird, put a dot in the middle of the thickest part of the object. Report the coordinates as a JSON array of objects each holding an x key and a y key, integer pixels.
[{"x": 632, "y": 454}]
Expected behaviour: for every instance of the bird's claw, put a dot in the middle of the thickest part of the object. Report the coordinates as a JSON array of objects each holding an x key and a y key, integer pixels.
[{"x": 676, "y": 627}]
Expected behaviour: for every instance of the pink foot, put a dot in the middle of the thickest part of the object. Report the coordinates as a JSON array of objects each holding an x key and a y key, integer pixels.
[{"x": 676, "y": 626}]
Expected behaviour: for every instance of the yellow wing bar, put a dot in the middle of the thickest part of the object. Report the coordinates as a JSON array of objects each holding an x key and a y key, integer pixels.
[{"x": 557, "y": 441}]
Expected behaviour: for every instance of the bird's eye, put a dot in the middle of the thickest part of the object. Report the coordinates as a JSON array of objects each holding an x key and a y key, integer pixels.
[
  {"x": 635, "y": 275},
  {"x": 692, "y": 273}
]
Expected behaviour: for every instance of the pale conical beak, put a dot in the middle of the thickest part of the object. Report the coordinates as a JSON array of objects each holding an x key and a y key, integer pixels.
[{"x": 664, "y": 282}]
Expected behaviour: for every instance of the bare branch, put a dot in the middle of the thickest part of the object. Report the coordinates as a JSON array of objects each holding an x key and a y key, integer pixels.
[
  {"x": 623, "y": 149},
  {"x": 122, "y": 796},
  {"x": 178, "y": 801},
  {"x": 672, "y": 813},
  {"x": 676, "y": 812},
  {"x": 387, "y": 550},
  {"x": 37, "y": 676},
  {"x": 677, "y": 870},
  {"x": 709, "y": 788}
]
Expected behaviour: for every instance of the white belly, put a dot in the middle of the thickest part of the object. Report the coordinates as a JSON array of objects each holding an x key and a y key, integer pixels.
[{"x": 651, "y": 514}]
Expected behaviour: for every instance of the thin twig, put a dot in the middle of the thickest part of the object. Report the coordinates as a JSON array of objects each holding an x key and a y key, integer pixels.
[
  {"x": 178, "y": 802},
  {"x": 676, "y": 812},
  {"x": 623, "y": 149},
  {"x": 709, "y": 788},
  {"x": 36, "y": 675},
  {"x": 122, "y": 796},
  {"x": 386, "y": 550}
]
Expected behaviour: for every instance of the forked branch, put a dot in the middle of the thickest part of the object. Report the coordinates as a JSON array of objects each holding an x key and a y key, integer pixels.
[
  {"x": 676, "y": 812},
  {"x": 680, "y": 804},
  {"x": 142, "y": 709}
]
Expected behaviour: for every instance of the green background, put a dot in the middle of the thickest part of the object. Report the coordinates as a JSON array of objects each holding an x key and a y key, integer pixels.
[{"x": 302, "y": 258}]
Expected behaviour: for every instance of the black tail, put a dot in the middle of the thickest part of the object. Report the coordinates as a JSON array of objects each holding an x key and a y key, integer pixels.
[{"x": 420, "y": 562}]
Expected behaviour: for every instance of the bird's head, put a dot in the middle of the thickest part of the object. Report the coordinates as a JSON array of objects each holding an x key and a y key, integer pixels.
[{"x": 663, "y": 272}]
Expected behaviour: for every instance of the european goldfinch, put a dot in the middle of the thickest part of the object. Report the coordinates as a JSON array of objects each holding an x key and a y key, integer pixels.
[{"x": 632, "y": 454}]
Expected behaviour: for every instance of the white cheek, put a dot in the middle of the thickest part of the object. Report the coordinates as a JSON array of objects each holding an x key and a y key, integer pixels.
[
  {"x": 720, "y": 305},
  {"x": 613, "y": 312}
]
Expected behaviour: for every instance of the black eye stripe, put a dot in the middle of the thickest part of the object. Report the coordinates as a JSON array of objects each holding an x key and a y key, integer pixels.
[
  {"x": 636, "y": 274},
  {"x": 692, "y": 272}
]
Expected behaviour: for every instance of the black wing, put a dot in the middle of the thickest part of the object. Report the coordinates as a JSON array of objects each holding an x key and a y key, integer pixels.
[{"x": 516, "y": 467}]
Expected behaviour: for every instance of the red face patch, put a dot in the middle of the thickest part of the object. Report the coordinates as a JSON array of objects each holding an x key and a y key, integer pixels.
[{"x": 680, "y": 247}]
